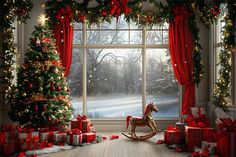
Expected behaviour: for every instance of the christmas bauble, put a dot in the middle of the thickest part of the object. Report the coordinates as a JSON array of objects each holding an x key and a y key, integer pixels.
[
  {"x": 52, "y": 87},
  {"x": 30, "y": 85},
  {"x": 58, "y": 88}
]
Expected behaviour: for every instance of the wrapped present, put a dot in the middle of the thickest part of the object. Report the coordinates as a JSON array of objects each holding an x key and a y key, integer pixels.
[
  {"x": 46, "y": 134},
  {"x": 74, "y": 137},
  {"x": 9, "y": 148},
  {"x": 194, "y": 136},
  {"x": 209, "y": 134},
  {"x": 82, "y": 123},
  {"x": 197, "y": 111},
  {"x": 181, "y": 127},
  {"x": 86, "y": 126},
  {"x": 200, "y": 121},
  {"x": 226, "y": 145},
  {"x": 59, "y": 138},
  {"x": 172, "y": 135},
  {"x": 8, "y": 137},
  {"x": 28, "y": 135},
  {"x": 30, "y": 143},
  {"x": 89, "y": 137},
  {"x": 210, "y": 147},
  {"x": 226, "y": 124}
]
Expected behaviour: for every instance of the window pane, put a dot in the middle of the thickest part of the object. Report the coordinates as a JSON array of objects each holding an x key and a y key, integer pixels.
[
  {"x": 135, "y": 37},
  {"x": 114, "y": 83},
  {"x": 93, "y": 37},
  {"x": 75, "y": 81},
  {"x": 154, "y": 37},
  {"x": 162, "y": 87},
  {"x": 77, "y": 37},
  {"x": 122, "y": 37}
]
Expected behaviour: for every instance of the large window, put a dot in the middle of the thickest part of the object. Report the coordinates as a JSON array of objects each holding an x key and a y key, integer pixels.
[{"x": 123, "y": 68}]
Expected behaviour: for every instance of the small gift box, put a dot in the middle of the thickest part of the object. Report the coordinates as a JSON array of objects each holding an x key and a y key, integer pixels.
[
  {"x": 9, "y": 148},
  {"x": 31, "y": 143},
  {"x": 28, "y": 135},
  {"x": 89, "y": 137},
  {"x": 82, "y": 123},
  {"x": 209, "y": 147},
  {"x": 59, "y": 138},
  {"x": 194, "y": 136},
  {"x": 47, "y": 135},
  {"x": 74, "y": 137},
  {"x": 197, "y": 111},
  {"x": 172, "y": 135}
]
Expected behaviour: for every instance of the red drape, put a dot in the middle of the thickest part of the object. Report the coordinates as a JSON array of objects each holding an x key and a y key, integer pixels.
[
  {"x": 63, "y": 32},
  {"x": 181, "y": 51}
]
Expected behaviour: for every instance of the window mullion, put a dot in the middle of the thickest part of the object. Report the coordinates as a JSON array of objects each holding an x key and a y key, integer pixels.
[
  {"x": 144, "y": 72},
  {"x": 84, "y": 42}
]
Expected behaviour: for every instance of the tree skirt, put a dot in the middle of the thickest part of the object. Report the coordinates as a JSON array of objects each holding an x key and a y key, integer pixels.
[{"x": 52, "y": 149}]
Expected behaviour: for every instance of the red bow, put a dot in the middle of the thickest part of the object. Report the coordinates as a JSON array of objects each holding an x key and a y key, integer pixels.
[
  {"x": 79, "y": 117},
  {"x": 64, "y": 13},
  {"x": 118, "y": 7},
  {"x": 74, "y": 132}
]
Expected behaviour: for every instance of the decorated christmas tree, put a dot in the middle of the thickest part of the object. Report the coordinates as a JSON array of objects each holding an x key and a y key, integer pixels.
[{"x": 42, "y": 93}]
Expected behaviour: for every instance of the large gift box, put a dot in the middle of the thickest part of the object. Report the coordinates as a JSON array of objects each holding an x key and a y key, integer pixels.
[
  {"x": 89, "y": 137},
  {"x": 82, "y": 123},
  {"x": 172, "y": 135},
  {"x": 194, "y": 136},
  {"x": 226, "y": 141}
]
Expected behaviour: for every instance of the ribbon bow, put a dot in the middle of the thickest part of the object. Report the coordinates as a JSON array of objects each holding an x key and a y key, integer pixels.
[
  {"x": 79, "y": 117},
  {"x": 118, "y": 7},
  {"x": 64, "y": 13},
  {"x": 74, "y": 132}
]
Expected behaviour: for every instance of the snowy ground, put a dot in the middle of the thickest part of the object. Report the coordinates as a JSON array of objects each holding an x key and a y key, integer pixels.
[{"x": 123, "y": 105}]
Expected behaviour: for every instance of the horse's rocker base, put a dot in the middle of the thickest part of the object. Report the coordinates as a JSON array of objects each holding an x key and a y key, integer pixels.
[{"x": 140, "y": 138}]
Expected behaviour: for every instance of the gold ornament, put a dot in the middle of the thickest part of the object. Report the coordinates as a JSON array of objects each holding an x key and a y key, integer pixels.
[{"x": 24, "y": 94}]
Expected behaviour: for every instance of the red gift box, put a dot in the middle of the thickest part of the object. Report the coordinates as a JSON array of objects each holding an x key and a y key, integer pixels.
[
  {"x": 209, "y": 134},
  {"x": 86, "y": 126},
  {"x": 76, "y": 124},
  {"x": 226, "y": 145},
  {"x": 74, "y": 137},
  {"x": 172, "y": 135},
  {"x": 194, "y": 136},
  {"x": 9, "y": 148},
  {"x": 89, "y": 137}
]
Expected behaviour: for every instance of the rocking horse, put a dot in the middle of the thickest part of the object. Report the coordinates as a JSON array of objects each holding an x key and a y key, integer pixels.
[{"x": 146, "y": 120}]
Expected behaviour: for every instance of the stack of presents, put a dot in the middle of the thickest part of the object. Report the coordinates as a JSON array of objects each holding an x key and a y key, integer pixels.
[
  {"x": 196, "y": 135},
  {"x": 16, "y": 139}
]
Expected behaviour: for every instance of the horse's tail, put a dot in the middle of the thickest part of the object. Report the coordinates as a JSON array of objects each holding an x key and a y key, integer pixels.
[{"x": 127, "y": 121}]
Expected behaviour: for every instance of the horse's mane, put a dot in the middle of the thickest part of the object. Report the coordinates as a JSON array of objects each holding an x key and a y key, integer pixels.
[{"x": 147, "y": 109}]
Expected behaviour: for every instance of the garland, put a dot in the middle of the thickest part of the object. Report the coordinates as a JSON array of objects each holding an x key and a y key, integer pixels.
[
  {"x": 207, "y": 13},
  {"x": 222, "y": 92},
  {"x": 9, "y": 10}
]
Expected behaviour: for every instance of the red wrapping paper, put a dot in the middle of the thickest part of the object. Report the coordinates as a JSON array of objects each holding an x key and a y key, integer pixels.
[
  {"x": 209, "y": 134},
  {"x": 9, "y": 148},
  {"x": 226, "y": 145},
  {"x": 86, "y": 126},
  {"x": 172, "y": 135},
  {"x": 77, "y": 123},
  {"x": 194, "y": 136},
  {"x": 89, "y": 137}
]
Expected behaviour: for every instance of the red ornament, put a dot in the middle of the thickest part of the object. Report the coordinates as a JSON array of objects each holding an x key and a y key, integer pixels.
[
  {"x": 52, "y": 87},
  {"x": 30, "y": 85},
  {"x": 44, "y": 107},
  {"x": 36, "y": 108},
  {"x": 58, "y": 88}
]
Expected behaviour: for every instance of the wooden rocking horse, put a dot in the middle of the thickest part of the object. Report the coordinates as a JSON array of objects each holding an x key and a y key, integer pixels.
[{"x": 146, "y": 120}]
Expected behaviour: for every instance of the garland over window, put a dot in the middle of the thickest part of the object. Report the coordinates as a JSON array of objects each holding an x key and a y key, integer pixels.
[
  {"x": 95, "y": 12},
  {"x": 9, "y": 10}
]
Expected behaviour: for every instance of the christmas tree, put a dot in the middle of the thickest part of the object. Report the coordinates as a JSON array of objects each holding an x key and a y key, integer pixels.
[{"x": 42, "y": 93}]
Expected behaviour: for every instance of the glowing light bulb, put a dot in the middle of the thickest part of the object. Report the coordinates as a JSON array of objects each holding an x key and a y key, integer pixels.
[{"x": 42, "y": 19}]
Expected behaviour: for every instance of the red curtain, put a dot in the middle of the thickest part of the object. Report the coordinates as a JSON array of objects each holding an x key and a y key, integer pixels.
[
  {"x": 181, "y": 51},
  {"x": 63, "y": 32}
]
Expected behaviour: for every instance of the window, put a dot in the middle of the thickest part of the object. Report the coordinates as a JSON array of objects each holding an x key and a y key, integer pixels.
[
  {"x": 125, "y": 67},
  {"x": 217, "y": 48}
]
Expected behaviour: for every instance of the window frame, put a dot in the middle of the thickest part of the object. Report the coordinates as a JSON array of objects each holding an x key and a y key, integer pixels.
[{"x": 84, "y": 46}]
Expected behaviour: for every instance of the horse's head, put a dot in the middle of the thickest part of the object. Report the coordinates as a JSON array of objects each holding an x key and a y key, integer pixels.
[{"x": 151, "y": 107}]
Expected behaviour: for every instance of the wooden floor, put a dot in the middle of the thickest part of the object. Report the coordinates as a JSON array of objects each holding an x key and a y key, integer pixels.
[{"x": 122, "y": 147}]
